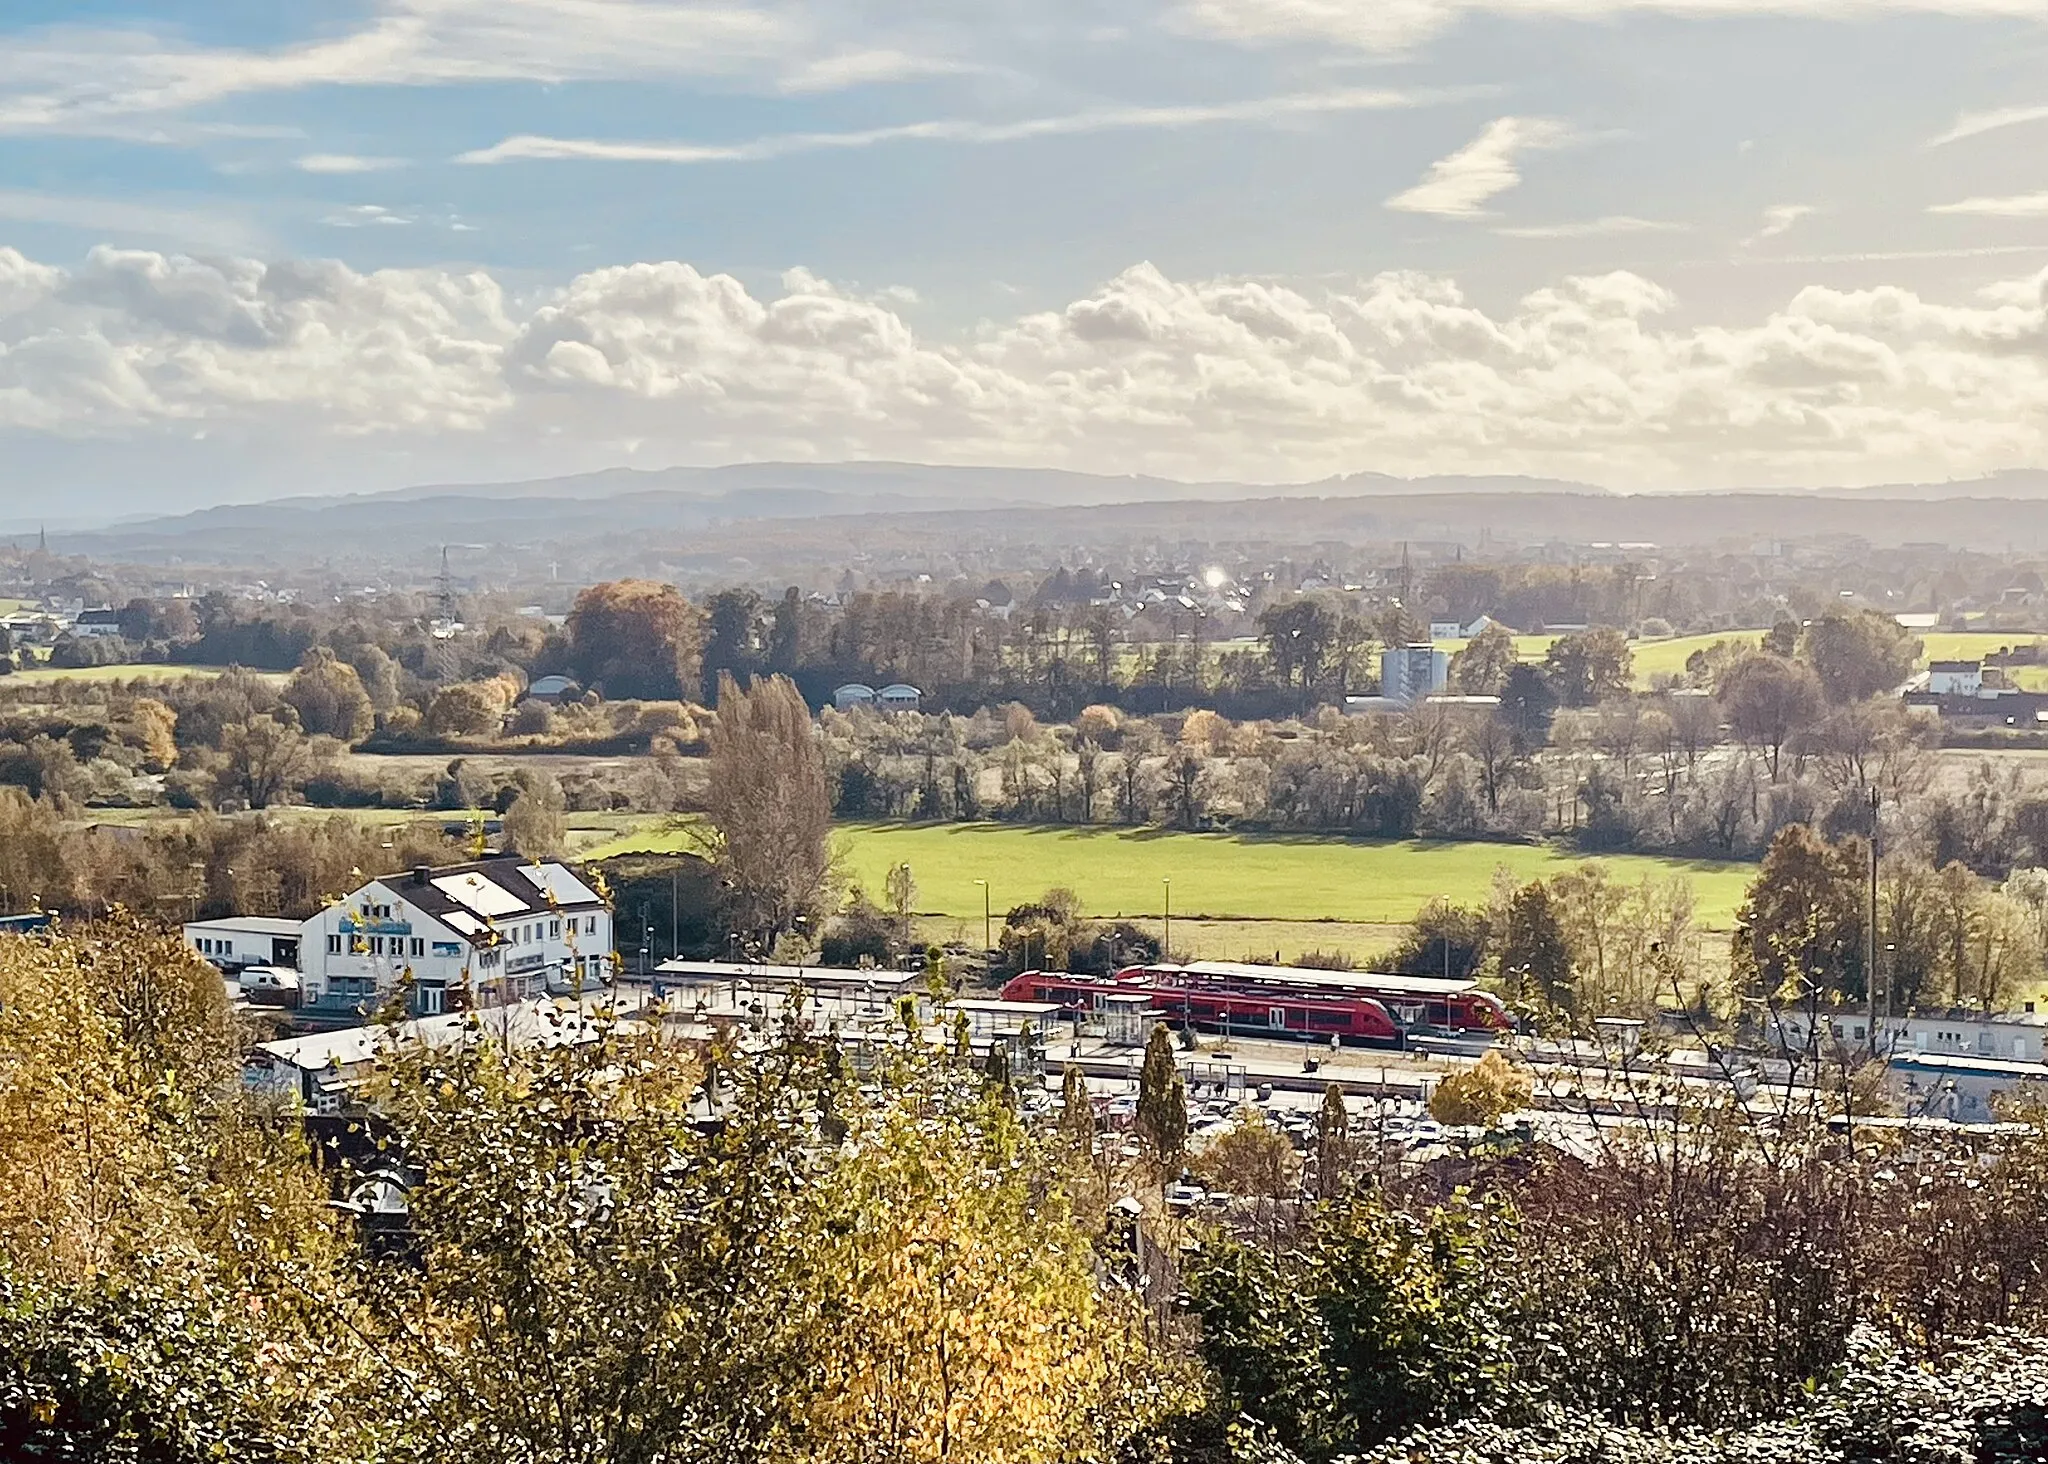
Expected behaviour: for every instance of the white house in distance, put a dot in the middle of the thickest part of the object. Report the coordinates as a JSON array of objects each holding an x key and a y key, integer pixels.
[
  {"x": 896, "y": 697},
  {"x": 505, "y": 927},
  {"x": 101, "y": 624}
]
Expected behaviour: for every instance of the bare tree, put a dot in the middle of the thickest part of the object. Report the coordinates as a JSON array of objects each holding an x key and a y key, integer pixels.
[
  {"x": 535, "y": 824},
  {"x": 1428, "y": 732},
  {"x": 1617, "y": 731},
  {"x": 770, "y": 806},
  {"x": 1769, "y": 702},
  {"x": 1695, "y": 725},
  {"x": 263, "y": 758},
  {"x": 1492, "y": 744},
  {"x": 1088, "y": 774}
]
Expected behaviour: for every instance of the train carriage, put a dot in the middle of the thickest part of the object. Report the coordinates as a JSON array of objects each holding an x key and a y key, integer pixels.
[
  {"x": 1248, "y": 999},
  {"x": 1309, "y": 1015}
]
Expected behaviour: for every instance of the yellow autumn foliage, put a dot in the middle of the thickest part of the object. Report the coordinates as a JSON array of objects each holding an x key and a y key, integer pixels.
[{"x": 971, "y": 1325}]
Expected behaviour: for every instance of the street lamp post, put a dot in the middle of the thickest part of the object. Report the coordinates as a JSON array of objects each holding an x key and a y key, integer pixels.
[
  {"x": 1166, "y": 948},
  {"x": 1870, "y": 935},
  {"x": 986, "y": 928}
]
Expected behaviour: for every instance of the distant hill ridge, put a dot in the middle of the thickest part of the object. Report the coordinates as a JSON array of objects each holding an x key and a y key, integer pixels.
[{"x": 627, "y": 506}]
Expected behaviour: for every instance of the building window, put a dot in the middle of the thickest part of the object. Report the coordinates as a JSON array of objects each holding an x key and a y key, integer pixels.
[
  {"x": 333, "y": 945},
  {"x": 554, "y": 930},
  {"x": 419, "y": 946},
  {"x": 590, "y": 926}
]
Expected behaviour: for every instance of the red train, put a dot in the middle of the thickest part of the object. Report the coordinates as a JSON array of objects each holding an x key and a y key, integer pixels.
[{"x": 1277, "y": 1000}]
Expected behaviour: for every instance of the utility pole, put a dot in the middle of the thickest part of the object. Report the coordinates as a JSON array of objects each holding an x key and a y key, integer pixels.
[
  {"x": 986, "y": 927},
  {"x": 1166, "y": 949},
  {"x": 1870, "y": 932}
]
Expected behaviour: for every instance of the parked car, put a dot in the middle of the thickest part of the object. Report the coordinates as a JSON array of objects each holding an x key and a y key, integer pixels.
[{"x": 270, "y": 986}]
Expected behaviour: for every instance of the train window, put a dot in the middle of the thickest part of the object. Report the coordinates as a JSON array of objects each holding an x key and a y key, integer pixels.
[{"x": 1339, "y": 1021}]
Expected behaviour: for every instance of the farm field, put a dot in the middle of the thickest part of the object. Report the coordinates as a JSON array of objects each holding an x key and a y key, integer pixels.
[
  {"x": 1223, "y": 877},
  {"x": 1653, "y": 658},
  {"x": 41, "y": 675},
  {"x": 1221, "y": 940},
  {"x": 1970, "y": 645}
]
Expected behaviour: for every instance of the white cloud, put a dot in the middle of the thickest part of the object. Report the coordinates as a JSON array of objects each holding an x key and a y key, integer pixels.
[
  {"x": 1889, "y": 256},
  {"x": 1592, "y": 228},
  {"x": 81, "y": 78},
  {"x": 367, "y": 215},
  {"x": 1457, "y": 185},
  {"x": 346, "y": 163},
  {"x": 1779, "y": 218},
  {"x": 863, "y": 68},
  {"x": 1228, "y": 377},
  {"x": 1392, "y": 25},
  {"x": 953, "y": 129},
  {"x": 1976, "y": 124},
  {"x": 2011, "y": 206}
]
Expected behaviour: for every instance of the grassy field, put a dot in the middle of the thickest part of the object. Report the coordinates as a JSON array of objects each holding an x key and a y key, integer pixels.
[
  {"x": 1653, "y": 658},
  {"x": 1280, "y": 941},
  {"x": 1221, "y": 877},
  {"x": 42, "y": 674},
  {"x": 1970, "y": 645}
]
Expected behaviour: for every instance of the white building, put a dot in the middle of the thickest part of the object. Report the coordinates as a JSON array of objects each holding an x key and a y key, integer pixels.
[
  {"x": 503, "y": 928},
  {"x": 2003, "y": 1036},
  {"x": 1409, "y": 673},
  {"x": 100, "y": 624},
  {"x": 853, "y": 694},
  {"x": 1955, "y": 678},
  {"x": 246, "y": 940},
  {"x": 899, "y": 696}
]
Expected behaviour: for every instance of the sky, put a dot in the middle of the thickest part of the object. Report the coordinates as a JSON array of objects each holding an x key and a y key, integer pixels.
[{"x": 256, "y": 249}]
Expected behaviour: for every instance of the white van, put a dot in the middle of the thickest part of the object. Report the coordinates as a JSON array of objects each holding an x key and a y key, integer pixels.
[{"x": 270, "y": 986}]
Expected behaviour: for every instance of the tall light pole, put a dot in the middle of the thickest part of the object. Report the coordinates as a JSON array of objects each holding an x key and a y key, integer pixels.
[
  {"x": 1870, "y": 932},
  {"x": 1166, "y": 948},
  {"x": 987, "y": 944}
]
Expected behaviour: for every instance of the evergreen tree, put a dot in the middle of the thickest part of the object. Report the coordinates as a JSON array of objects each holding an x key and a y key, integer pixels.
[
  {"x": 1535, "y": 956},
  {"x": 1333, "y": 1143},
  {"x": 1077, "y": 1113},
  {"x": 1162, "y": 1117}
]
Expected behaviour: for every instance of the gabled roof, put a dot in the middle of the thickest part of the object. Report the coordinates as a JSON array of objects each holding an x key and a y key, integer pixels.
[{"x": 473, "y": 898}]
